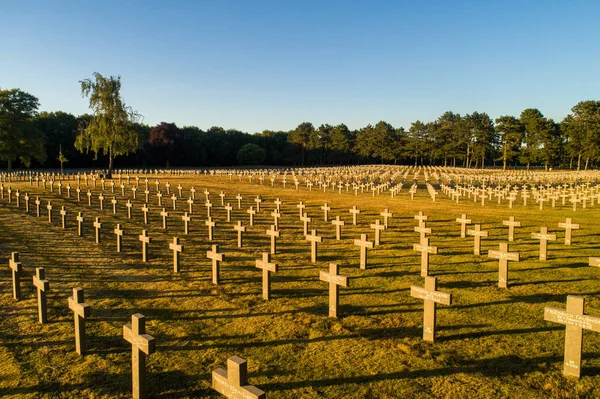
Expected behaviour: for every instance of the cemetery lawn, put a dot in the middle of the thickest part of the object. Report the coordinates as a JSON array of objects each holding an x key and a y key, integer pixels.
[{"x": 491, "y": 342}]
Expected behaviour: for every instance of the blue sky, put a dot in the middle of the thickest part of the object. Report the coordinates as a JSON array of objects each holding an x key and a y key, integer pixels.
[{"x": 272, "y": 64}]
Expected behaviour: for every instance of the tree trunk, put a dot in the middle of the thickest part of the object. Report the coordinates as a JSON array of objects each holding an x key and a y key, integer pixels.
[
  {"x": 587, "y": 161},
  {"x": 571, "y": 163},
  {"x": 528, "y": 165},
  {"x": 579, "y": 162},
  {"x": 454, "y": 161},
  {"x": 546, "y": 166},
  {"x": 110, "y": 161},
  {"x": 505, "y": 158}
]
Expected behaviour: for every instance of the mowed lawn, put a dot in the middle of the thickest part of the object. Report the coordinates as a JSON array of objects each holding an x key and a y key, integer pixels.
[{"x": 491, "y": 342}]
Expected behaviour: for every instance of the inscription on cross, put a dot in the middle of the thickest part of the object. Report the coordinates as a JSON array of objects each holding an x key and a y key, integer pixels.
[
  {"x": 576, "y": 321},
  {"x": 233, "y": 382},
  {"x": 335, "y": 280},
  {"x": 569, "y": 226},
  {"x": 477, "y": 233},
  {"x": 503, "y": 256},
  {"x": 544, "y": 237},
  {"x": 431, "y": 296}
]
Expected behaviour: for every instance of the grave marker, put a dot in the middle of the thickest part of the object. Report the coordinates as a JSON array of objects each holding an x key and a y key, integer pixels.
[
  {"x": 186, "y": 223},
  {"x": 431, "y": 296},
  {"x": 425, "y": 250},
  {"x": 17, "y": 270},
  {"x": 210, "y": 224},
  {"x": 142, "y": 345},
  {"x": 240, "y": 229},
  {"x": 314, "y": 239},
  {"x": 119, "y": 233},
  {"x": 216, "y": 258},
  {"x": 177, "y": 249},
  {"x": 79, "y": 224},
  {"x": 228, "y": 208},
  {"x": 233, "y": 383},
  {"x": 386, "y": 215},
  {"x": 576, "y": 321},
  {"x": 511, "y": 223},
  {"x": 97, "y": 226},
  {"x": 354, "y": 211},
  {"x": 335, "y": 280},
  {"x": 378, "y": 227},
  {"x": 477, "y": 233},
  {"x": 164, "y": 215},
  {"x": 364, "y": 245},
  {"x": 325, "y": 208},
  {"x": 273, "y": 233},
  {"x": 338, "y": 227},
  {"x": 42, "y": 285},
  {"x": 503, "y": 256},
  {"x": 544, "y": 237},
  {"x": 569, "y": 226},
  {"x": 267, "y": 267},
  {"x": 81, "y": 311},
  {"x": 251, "y": 212},
  {"x": 145, "y": 241},
  {"x": 463, "y": 225},
  {"x": 63, "y": 217}
]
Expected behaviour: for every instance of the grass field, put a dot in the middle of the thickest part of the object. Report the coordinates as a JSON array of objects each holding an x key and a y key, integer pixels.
[{"x": 491, "y": 342}]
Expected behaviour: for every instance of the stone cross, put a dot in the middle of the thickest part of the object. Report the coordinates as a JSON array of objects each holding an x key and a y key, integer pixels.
[
  {"x": 421, "y": 218},
  {"x": 477, "y": 233},
  {"x": 37, "y": 206},
  {"x": 228, "y": 208},
  {"x": 42, "y": 285},
  {"x": 80, "y": 310},
  {"x": 216, "y": 258},
  {"x": 314, "y": 239},
  {"x": 363, "y": 244},
  {"x": 177, "y": 249},
  {"x": 335, "y": 280},
  {"x": 267, "y": 267},
  {"x": 174, "y": 200},
  {"x": 576, "y": 321},
  {"x": 119, "y": 233},
  {"x": 222, "y": 195},
  {"x": 210, "y": 224},
  {"x": 338, "y": 227},
  {"x": 17, "y": 270},
  {"x": 569, "y": 226},
  {"x": 145, "y": 209},
  {"x": 258, "y": 201},
  {"x": 306, "y": 220},
  {"x": 239, "y": 200},
  {"x": 422, "y": 230},
  {"x": 503, "y": 256},
  {"x": 49, "y": 207},
  {"x": 147, "y": 194},
  {"x": 273, "y": 233},
  {"x": 463, "y": 224},
  {"x": 431, "y": 296},
  {"x": 186, "y": 222},
  {"x": 114, "y": 203},
  {"x": 544, "y": 237},
  {"x": 26, "y": 197},
  {"x": 207, "y": 194},
  {"x": 511, "y": 223},
  {"x": 425, "y": 250},
  {"x": 190, "y": 202},
  {"x": 233, "y": 383},
  {"x": 145, "y": 241},
  {"x": 251, "y": 212},
  {"x": 101, "y": 199},
  {"x": 129, "y": 205},
  {"x": 240, "y": 229},
  {"x": 97, "y": 226},
  {"x": 79, "y": 224},
  {"x": 63, "y": 216},
  {"x": 354, "y": 211},
  {"x": 325, "y": 208},
  {"x": 208, "y": 206},
  {"x": 378, "y": 227},
  {"x": 277, "y": 203},
  {"x": 159, "y": 197},
  {"x": 142, "y": 345},
  {"x": 386, "y": 214},
  {"x": 301, "y": 207},
  {"x": 164, "y": 215}
]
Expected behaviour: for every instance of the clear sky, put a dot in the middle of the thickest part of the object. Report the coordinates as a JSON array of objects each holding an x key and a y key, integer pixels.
[{"x": 272, "y": 64}]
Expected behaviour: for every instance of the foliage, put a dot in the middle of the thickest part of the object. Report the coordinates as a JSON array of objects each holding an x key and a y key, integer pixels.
[
  {"x": 251, "y": 154},
  {"x": 110, "y": 129},
  {"x": 20, "y": 138},
  {"x": 166, "y": 137}
]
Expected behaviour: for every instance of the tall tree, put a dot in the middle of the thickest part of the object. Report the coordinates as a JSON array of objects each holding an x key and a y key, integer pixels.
[
  {"x": 484, "y": 138},
  {"x": 586, "y": 120},
  {"x": 20, "y": 138},
  {"x": 534, "y": 123},
  {"x": 341, "y": 142},
  {"x": 167, "y": 137},
  {"x": 511, "y": 131},
  {"x": 417, "y": 141},
  {"x": 301, "y": 136},
  {"x": 111, "y": 128}
]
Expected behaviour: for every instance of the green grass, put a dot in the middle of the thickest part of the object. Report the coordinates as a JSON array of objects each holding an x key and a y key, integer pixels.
[{"x": 491, "y": 342}]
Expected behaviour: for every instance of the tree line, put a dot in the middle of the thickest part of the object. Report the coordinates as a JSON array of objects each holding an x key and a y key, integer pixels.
[{"x": 29, "y": 138}]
